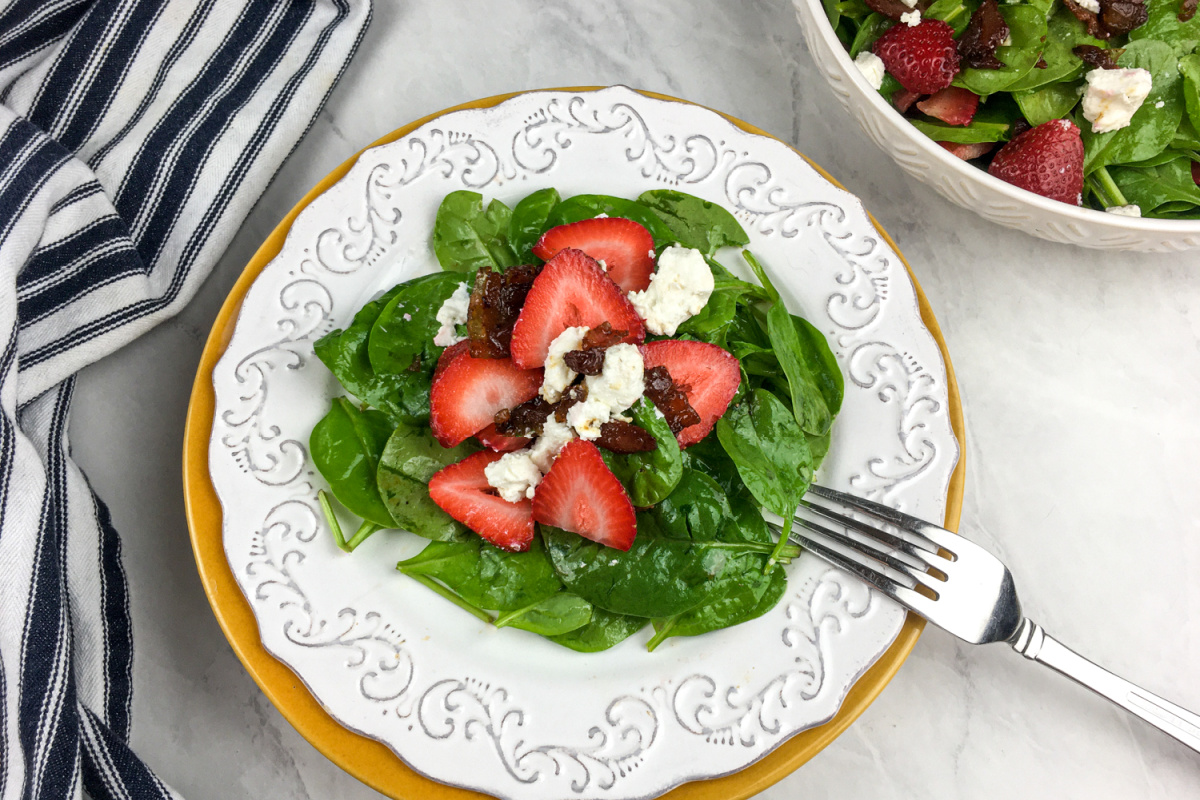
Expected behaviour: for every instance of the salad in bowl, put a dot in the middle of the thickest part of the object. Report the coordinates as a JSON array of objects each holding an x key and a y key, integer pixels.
[{"x": 586, "y": 414}]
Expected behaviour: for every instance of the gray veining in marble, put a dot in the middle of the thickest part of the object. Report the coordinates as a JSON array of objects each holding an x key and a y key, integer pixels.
[{"x": 1080, "y": 375}]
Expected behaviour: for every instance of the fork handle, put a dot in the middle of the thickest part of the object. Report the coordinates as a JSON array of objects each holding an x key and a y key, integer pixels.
[{"x": 1037, "y": 645}]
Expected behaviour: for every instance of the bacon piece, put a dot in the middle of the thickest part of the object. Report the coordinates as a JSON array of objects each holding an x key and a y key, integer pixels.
[
  {"x": 495, "y": 305},
  {"x": 602, "y": 336},
  {"x": 625, "y": 437},
  {"x": 586, "y": 362},
  {"x": 892, "y": 9},
  {"x": 1090, "y": 19},
  {"x": 670, "y": 399},
  {"x": 984, "y": 33},
  {"x": 524, "y": 420},
  {"x": 1097, "y": 57},
  {"x": 1121, "y": 16},
  {"x": 1187, "y": 10}
]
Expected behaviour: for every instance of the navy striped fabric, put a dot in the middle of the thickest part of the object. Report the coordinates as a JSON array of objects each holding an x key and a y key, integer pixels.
[{"x": 135, "y": 135}]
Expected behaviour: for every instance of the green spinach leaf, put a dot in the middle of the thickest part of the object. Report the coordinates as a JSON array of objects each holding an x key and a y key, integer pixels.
[
  {"x": 555, "y": 615},
  {"x": 648, "y": 477},
  {"x": 487, "y": 576},
  {"x": 1163, "y": 25},
  {"x": 587, "y": 206},
  {"x": 604, "y": 630},
  {"x": 346, "y": 445},
  {"x": 466, "y": 236},
  {"x": 1050, "y": 102},
  {"x": 695, "y": 223},
  {"x": 1027, "y": 27},
  {"x": 408, "y": 461},
  {"x": 528, "y": 223},
  {"x": 401, "y": 338}
]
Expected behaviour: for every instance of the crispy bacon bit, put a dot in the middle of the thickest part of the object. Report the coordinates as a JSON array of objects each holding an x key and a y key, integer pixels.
[
  {"x": 670, "y": 398},
  {"x": 892, "y": 9},
  {"x": 984, "y": 33},
  {"x": 524, "y": 420},
  {"x": 602, "y": 336},
  {"x": 585, "y": 362},
  {"x": 495, "y": 304},
  {"x": 1122, "y": 16},
  {"x": 1187, "y": 10},
  {"x": 574, "y": 394},
  {"x": 1097, "y": 57},
  {"x": 1089, "y": 18},
  {"x": 625, "y": 437}
]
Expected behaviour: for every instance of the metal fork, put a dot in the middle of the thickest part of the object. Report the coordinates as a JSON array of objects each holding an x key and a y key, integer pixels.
[{"x": 964, "y": 589}]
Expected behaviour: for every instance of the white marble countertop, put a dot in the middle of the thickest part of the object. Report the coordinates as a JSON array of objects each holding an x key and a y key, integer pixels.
[{"x": 1080, "y": 376}]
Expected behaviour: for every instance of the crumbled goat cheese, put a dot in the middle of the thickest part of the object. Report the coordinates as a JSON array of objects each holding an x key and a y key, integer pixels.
[
  {"x": 1132, "y": 210},
  {"x": 558, "y": 375},
  {"x": 616, "y": 388},
  {"x": 514, "y": 476},
  {"x": 1113, "y": 95},
  {"x": 554, "y": 438},
  {"x": 1160, "y": 104},
  {"x": 871, "y": 66},
  {"x": 452, "y": 314},
  {"x": 678, "y": 290},
  {"x": 1089, "y": 5},
  {"x": 911, "y": 18},
  {"x": 910, "y": 3}
]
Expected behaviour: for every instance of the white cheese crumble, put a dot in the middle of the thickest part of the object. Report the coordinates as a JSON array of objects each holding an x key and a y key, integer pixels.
[
  {"x": 587, "y": 417},
  {"x": 871, "y": 66},
  {"x": 554, "y": 438},
  {"x": 1089, "y": 5},
  {"x": 558, "y": 375},
  {"x": 452, "y": 314},
  {"x": 616, "y": 388},
  {"x": 1160, "y": 104},
  {"x": 1131, "y": 210},
  {"x": 1113, "y": 95},
  {"x": 910, "y": 3},
  {"x": 514, "y": 476},
  {"x": 911, "y": 18},
  {"x": 678, "y": 290}
]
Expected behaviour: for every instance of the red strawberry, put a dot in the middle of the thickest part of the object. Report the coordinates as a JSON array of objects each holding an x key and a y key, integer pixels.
[
  {"x": 467, "y": 392},
  {"x": 493, "y": 439},
  {"x": 968, "y": 151},
  {"x": 581, "y": 494},
  {"x": 625, "y": 247},
  {"x": 952, "y": 105},
  {"x": 463, "y": 492},
  {"x": 1046, "y": 160},
  {"x": 711, "y": 377},
  {"x": 449, "y": 354},
  {"x": 923, "y": 57},
  {"x": 903, "y": 99},
  {"x": 571, "y": 290}
]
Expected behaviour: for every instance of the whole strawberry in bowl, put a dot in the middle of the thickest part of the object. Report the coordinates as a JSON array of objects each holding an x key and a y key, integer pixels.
[{"x": 1069, "y": 121}]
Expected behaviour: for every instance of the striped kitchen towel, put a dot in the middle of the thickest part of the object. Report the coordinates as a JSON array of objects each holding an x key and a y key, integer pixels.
[{"x": 135, "y": 135}]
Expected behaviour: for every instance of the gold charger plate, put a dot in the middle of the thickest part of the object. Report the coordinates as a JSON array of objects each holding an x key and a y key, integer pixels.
[{"x": 370, "y": 761}]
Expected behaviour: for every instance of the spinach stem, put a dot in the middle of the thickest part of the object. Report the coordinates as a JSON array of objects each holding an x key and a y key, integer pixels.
[
  {"x": 960, "y": 8},
  {"x": 475, "y": 611},
  {"x": 360, "y": 535},
  {"x": 780, "y": 546},
  {"x": 504, "y": 619},
  {"x": 327, "y": 510},
  {"x": 661, "y": 634},
  {"x": 1111, "y": 191}
]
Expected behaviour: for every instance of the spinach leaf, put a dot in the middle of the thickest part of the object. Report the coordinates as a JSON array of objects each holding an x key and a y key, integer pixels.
[
  {"x": 555, "y": 615},
  {"x": 648, "y": 477},
  {"x": 1189, "y": 67},
  {"x": 1152, "y": 127},
  {"x": 401, "y": 339},
  {"x": 1163, "y": 25},
  {"x": 528, "y": 223},
  {"x": 1050, "y": 102},
  {"x": 1064, "y": 33},
  {"x": 795, "y": 345},
  {"x": 872, "y": 28},
  {"x": 604, "y": 630},
  {"x": 404, "y": 397},
  {"x": 408, "y": 461},
  {"x": 696, "y": 223},
  {"x": 954, "y": 13},
  {"x": 487, "y": 576},
  {"x": 466, "y": 236},
  {"x": 345, "y": 446},
  {"x": 980, "y": 129},
  {"x": 586, "y": 206},
  {"x": 1156, "y": 186},
  {"x": 697, "y": 510},
  {"x": 743, "y": 593},
  {"x": 712, "y": 323},
  {"x": 1027, "y": 27}
]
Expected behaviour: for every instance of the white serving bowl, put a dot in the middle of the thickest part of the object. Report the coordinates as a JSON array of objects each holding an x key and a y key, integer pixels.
[{"x": 965, "y": 183}]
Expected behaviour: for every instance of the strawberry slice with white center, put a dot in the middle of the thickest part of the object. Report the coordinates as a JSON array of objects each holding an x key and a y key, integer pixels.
[
  {"x": 462, "y": 491},
  {"x": 493, "y": 439},
  {"x": 706, "y": 373},
  {"x": 467, "y": 392},
  {"x": 581, "y": 494},
  {"x": 625, "y": 247},
  {"x": 572, "y": 290},
  {"x": 952, "y": 105}
]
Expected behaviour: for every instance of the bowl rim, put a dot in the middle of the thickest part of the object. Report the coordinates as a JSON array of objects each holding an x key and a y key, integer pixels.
[
  {"x": 371, "y": 761},
  {"x": 930, "y": 148}
]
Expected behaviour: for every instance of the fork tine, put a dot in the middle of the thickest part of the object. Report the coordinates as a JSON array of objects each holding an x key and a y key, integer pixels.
[
  {"x": 937, "y": 537},
  {"x": 893, "y": 568},
  {"x": 857, "y": 563},
  {"x": 919, "y": 554}
]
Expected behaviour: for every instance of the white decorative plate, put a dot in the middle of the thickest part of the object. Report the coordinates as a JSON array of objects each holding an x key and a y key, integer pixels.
[{"x": 503, "y": 711}]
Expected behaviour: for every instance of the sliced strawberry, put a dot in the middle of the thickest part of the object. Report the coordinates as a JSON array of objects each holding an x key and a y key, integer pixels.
[
  {"x": 968, "y": 151},
  {"x": 571, "y": 290},
  {"x": 581, "y": 494},
  {"x": 1046, "y": 160},
  {"x": 903, "y": 99},
  {"x": 625, "y": 247},
  {"x": 463, "y": 492},
  {"x": 707, "y": 374},
  {"x": 952, "y": 105},
  {"x": 923, "y": 57},
  {"x": 493, "y": 439},
  {"x": 467, "y": 392}
]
